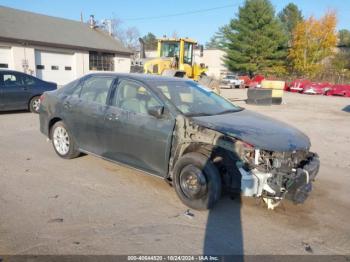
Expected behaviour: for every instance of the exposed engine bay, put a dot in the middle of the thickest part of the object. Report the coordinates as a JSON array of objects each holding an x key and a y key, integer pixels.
[
  {"x": 272, "y": 175},
  {"x": 277, "y": 175}
]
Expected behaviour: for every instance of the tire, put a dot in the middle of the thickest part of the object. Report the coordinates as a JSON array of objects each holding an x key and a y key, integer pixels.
[
  {"x": 34, "y": 104},
  {"x": 62, "y": 141},
  {"x": 208, "y": 187}
]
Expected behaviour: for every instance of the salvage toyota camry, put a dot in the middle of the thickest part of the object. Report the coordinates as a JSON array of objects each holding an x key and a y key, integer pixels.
[{"x": 176, "y": 129}]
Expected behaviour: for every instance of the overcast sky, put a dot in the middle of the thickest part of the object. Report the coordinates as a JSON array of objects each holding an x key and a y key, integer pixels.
[{"x": 189, "y": 18}]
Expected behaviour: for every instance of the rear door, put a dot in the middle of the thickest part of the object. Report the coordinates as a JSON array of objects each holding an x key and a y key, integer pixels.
[
  {"x": 14, "y": 93},
  {"x": 131, "y": 135},
  {"x": 85, "y": 110}
]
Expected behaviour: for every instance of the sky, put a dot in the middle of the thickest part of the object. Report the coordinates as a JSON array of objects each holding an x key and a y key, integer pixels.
[{"x": 198, "y": 20}]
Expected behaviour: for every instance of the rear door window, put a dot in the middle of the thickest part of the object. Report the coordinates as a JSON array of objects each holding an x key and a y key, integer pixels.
[
  {"x": 29, "y": 80},
  {"x": 95, "y": 89}
]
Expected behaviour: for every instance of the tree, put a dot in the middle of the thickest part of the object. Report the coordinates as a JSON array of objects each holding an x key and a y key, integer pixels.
[
  {"x": 290, "y": 16},
  {"x": 150, "y": 41},
  {"x": 129, "y": 37},
  {"x": 313, "y": 41},
  {"x": 339, "y": 65},
  {"x": 218, "y": 40},
  {"x": 256, "y": 42},
  {"x": 344, "y": 38}
]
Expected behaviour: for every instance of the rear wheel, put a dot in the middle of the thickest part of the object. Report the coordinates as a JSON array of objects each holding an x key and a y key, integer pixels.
[
  {"x": 34, "y": 104},
  {"x": 62, "y": 141},
  {"x": 197, "y": 181}
]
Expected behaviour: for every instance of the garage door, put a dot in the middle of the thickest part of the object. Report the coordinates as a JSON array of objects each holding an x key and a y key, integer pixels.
[
  {"x": 4, "y": 57},
  {"x": 54, "y": 67}
]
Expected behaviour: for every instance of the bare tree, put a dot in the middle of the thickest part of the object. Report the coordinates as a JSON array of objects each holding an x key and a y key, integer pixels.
[
  {"x": 131, "y": 38},
  {"x": 128, "y": 36},
  {"x": 175, "y": 34}
]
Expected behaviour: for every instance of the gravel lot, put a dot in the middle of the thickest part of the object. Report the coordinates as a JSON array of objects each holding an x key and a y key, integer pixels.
[{"x": 90, "y": 206}]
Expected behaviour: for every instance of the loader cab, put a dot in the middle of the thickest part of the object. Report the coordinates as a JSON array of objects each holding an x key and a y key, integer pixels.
[
  {"x": 175, "y": 57},
  {"x": 180, "y": 49}
]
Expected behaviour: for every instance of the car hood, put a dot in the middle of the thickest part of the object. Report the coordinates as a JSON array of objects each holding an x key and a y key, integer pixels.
[{"x": 258, "y": 130}]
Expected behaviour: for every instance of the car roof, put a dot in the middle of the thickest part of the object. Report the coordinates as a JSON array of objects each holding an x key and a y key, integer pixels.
[
  {"x": 11, "y": 71},
  {"x": 143, "y": 77}
]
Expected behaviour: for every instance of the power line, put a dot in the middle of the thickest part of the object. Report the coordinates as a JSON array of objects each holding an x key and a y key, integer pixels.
[{"x": 180, "y": 14}]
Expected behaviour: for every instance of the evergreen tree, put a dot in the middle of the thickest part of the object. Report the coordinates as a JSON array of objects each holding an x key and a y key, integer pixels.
[
  {"x": 290, "y": 16},
  {"x": 344, "y": 38},
  {"x": 150, "y": 41},
  {"x": 218, "y": 40},
  {"x": 256, "y": 42}
]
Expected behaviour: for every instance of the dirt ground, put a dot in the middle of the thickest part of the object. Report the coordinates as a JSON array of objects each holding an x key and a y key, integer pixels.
[{"x": 90, "y": 206}]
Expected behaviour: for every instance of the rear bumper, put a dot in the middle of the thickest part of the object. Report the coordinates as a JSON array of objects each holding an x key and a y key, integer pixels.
[
  {"x": 44, "y": 122},
  {"x": 226, "y": 86}
]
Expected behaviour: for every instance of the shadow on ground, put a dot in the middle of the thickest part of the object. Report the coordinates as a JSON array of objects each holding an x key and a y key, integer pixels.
[
  {"x": 13, "y": 112},
  {"x": 223, "y": 235},
  {"x": 346, "y": 109}
]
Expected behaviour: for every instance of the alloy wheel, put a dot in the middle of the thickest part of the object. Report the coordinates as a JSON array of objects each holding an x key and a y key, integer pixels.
[
  {"x": 61, "y": 140},
  {"x": 36, "y": 104}
]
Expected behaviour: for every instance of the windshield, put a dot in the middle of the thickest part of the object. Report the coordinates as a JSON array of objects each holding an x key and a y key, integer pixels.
[
  {"x": 231, "y": 77},
  {"x": 193, "y": 99},
  {"x": 170, "y": 49}
]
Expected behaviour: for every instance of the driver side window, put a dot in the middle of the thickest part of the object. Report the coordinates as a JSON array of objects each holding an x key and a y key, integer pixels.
[{"x": 134, "y": 97}]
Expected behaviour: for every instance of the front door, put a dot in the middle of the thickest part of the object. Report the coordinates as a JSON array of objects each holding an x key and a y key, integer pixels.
[{"x": 134, "y": 137}]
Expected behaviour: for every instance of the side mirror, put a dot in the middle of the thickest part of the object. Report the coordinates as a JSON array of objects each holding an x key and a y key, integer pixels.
[{"x": 156, "y": 111}]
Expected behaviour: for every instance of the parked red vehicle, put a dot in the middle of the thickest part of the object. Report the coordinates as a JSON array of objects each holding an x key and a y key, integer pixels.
[
  {"x": 245, "y": 78},
  {"x": 339, "y": 90},
  {"x": 317, "y": 88},
  {"x": 297, "y": 86},
  {"x": 256, "y": 81}
]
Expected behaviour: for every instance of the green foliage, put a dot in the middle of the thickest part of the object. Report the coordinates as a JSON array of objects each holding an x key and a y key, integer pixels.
[
  {"x": 256, "y": 42},
  {"x": 218, "y": 40},
  {"x": 344, "y": 38},
  {"x": 150, "y": 41},
  {"x": 341, "y": 60},
  {"x": 290, "y": 16}
]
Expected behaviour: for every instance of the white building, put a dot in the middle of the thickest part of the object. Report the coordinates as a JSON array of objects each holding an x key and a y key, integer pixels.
[
  {"x": 56, "y": 49},
  {"x": 213, "y": 58}
]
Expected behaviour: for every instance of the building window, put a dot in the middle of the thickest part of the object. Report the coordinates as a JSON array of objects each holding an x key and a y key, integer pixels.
[
  {"x": 101, "y": 61},
  {"x": 4, "y": 66},
  {"x": 54, "y": 67},
  {"x": 68, "y": 68},
  {"x": 40, "y": 67}
]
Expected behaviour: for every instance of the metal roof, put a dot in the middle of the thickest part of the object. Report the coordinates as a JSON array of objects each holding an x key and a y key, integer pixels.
[{"x": 26, "y": 27}]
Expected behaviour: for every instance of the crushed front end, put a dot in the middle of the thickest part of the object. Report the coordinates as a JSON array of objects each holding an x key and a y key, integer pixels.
[{"x": 275, "y": 176}]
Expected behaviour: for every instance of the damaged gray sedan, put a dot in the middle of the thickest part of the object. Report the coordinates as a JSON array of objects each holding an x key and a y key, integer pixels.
[{"x": 176, "y": 129}]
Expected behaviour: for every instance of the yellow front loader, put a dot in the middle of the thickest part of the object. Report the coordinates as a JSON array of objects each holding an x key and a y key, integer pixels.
[{"x": 175, "y": 58}]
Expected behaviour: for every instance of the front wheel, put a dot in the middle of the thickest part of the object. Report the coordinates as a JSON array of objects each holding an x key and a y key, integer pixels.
[
  {"x": 197, "y": 181},
  {"x": 63, "y": 142}
]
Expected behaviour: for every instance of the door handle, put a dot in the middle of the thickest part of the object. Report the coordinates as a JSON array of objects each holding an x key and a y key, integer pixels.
[
  {"x": 112, "y": 117},
  {"x": 24, "y": 88},
  {"x": 67, "y": 105}
]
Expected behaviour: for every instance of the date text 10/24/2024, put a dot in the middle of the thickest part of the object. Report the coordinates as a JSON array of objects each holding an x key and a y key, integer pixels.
[{"x": 173, "y": 258}]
